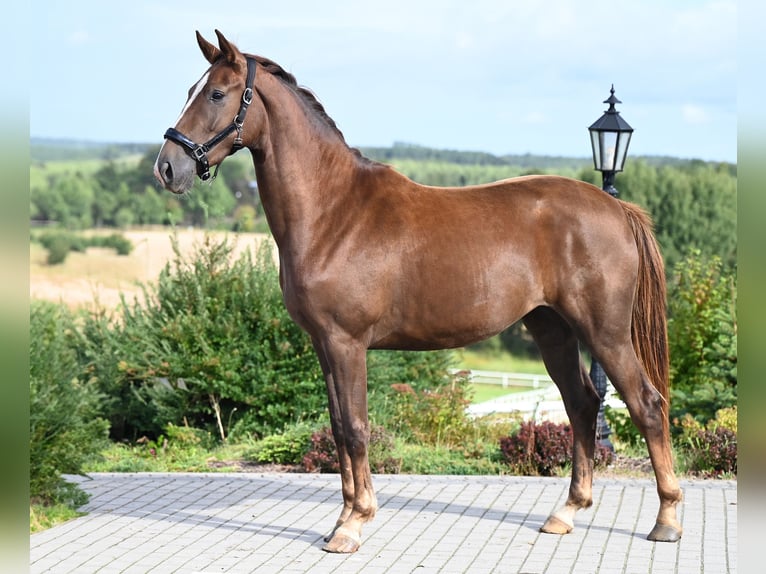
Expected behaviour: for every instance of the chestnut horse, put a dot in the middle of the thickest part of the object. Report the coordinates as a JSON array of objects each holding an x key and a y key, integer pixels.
[{"x": 371, "y": 260}]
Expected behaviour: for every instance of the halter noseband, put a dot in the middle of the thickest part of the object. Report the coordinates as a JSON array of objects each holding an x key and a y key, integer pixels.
[{"x": 198, "y": 152}]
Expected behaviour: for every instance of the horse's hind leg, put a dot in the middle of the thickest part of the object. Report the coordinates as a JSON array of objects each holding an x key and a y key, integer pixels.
[
  {"x": 648, "y": 411},
  {"x": 560, "y": 351}
]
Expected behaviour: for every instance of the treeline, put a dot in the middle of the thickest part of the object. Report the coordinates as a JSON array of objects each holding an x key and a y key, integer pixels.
[
  {"x": 405, "y": 151},
  {"x": 693, "y": 203},
  {"x": 117, "y": 193}
]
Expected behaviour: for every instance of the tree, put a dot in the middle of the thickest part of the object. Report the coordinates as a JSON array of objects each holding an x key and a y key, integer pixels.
[
  {"x": 693, "y": 206},
  {"x": 49, "y": 205},
  {"x": 209, "y": 203},
  {"x": 702, "y": 332}
]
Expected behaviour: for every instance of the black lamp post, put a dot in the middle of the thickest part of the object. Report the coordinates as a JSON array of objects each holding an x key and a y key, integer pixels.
[{"x": 609, "y": 138}]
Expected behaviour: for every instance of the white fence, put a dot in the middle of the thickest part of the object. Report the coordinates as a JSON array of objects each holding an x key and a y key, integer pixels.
[
  {"x": 507, "y": 379},
  {"x": 543, "y": 402}
]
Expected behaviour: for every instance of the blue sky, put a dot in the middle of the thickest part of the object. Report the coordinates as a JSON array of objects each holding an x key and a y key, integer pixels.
[{"x": 502, "y": 76}]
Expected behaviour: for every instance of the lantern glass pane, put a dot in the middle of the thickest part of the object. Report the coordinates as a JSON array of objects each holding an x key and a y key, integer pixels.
[
  {"x": 622, "y": 150},
  {"x": 608, "y": 150},
  {"x": 595, "y": 146}
]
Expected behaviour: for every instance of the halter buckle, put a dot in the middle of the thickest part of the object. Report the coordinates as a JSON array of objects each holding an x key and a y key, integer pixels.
[{"x": 199, "y": 153}]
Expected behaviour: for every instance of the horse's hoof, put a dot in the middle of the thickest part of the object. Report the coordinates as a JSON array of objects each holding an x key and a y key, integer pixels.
[
  {"x": 342, "y": 544},
  {"x": 665, "y": 533},
  {"x": 555, "y": 525}
]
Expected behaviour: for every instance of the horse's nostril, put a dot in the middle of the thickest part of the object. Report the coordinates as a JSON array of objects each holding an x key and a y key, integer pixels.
[{"x": 167, "y": 172}]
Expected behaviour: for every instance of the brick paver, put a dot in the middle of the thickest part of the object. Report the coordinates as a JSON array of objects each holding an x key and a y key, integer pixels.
[{"x": 274, "y": 523}]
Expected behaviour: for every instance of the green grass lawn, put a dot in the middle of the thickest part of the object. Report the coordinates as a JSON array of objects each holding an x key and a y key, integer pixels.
[
  {"x": 486, "y": 392},
  {"x": 498, "y": 361}
]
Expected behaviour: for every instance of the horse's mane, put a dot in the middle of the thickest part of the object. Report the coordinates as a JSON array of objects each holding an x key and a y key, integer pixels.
[{"x": 306, "y": 95}]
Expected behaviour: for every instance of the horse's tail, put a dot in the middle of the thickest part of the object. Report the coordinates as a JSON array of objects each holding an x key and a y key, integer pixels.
[{"x": 649, "y": 326}]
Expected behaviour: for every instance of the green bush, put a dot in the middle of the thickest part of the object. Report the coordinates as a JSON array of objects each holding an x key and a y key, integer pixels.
[
  {"x": 176, "y": 449},
  {"x": 288, "y": 447},
  {"x": 429, "y": 459},
  {"x": 73, "y": 241},
  {"x": 416, "y": 397},
  {"x": 65, "y": 430},
  {"x": 121, "y": 244},
  {"x": 436, "y": 417},
  {"x": 702, "y": 332},
  {"x": 421, "y": 371},
  {"x": 104, "y": 344},
  {"x": 59, "y": 243},
  {"x": 58, "y": 249},
  {"x": 210, "y": 346}
]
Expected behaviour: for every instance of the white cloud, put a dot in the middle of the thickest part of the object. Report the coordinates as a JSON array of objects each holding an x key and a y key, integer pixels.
[{"x": 694, "y": 114}]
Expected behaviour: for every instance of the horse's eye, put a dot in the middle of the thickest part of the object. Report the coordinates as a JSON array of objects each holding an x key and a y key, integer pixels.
[{"x": 216, "y": 96}]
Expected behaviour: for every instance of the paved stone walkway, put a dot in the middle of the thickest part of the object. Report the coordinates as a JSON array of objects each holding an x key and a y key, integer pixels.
[{"x": 274, "y": 523}]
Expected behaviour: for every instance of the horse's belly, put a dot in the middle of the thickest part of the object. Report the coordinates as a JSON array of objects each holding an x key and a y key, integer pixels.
[{"x": 431, "y": 326}]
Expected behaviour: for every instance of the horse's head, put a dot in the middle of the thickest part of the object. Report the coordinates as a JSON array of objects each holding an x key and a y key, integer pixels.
[{"x": 205, "y": 132}]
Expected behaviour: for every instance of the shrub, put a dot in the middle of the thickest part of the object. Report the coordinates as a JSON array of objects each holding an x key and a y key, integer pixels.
[
  {"x": 58, "y": 249},
  {"x": 436, "y": 416},
  {"x": 543, "y": 449},
  {"x": 726, "y": 418},
  {"x": 60, "y": 243},
  {"x": 73, "y": 241},
  {"x": 323, "y": 454},
  {"x": 481, "y": 459},
  {"x": 184, "y": 437},
  {"x": 210, "y": 346},
  {"x": 105, "y": 343},
  {"x": 176, "y": 449},
  {"x": 288, "y": 447},
  {"x": 121, "y": 244},
  {"x": 702, "y": 332},
  {"x": 715, "y": 452},
  {"x": 421, "y": 371},
  {"x": 64, "y": 428},
  {"x": 710, "y": 450}
]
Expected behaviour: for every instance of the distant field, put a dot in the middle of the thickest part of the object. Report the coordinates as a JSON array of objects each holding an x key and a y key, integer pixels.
[{"x": 100, "y": 275}]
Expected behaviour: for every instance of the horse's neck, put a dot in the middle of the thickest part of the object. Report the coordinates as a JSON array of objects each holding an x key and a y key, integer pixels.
[{"x": 304, "y": 174}]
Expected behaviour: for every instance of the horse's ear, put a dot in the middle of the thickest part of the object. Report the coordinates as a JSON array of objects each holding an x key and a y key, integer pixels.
[
  {"x": 210, "y": 52},
  {"x": 229, "y": 50}
]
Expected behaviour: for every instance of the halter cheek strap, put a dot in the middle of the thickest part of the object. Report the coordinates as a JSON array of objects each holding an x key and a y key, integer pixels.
[{"x": 199, "y": 152}]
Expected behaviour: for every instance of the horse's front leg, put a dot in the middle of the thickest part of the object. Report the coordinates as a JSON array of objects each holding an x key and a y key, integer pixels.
[
  {"x": 336, "y": 422},
  {"x": 347, "y": 391}
]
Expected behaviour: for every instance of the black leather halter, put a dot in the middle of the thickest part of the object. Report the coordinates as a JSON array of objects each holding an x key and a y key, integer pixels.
[{"x": 198, "y": 152}]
